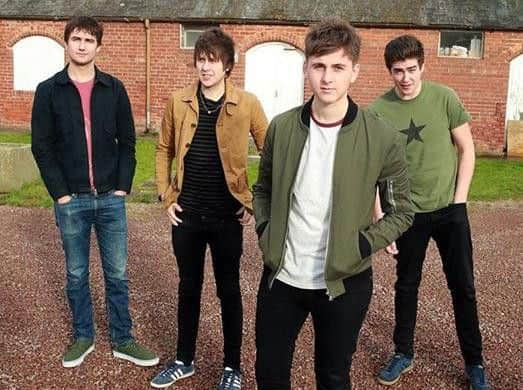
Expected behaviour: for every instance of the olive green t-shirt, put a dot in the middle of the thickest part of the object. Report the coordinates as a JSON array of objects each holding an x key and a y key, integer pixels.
[{"x": 426, "y": 123}]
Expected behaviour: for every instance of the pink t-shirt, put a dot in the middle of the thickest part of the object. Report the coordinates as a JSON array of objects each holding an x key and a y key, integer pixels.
[{"x": 85, "y": 90}]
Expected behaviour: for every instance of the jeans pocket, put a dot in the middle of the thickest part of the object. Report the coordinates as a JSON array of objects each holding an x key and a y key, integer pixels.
[
  {"x": 457, "y": 212},
  {"x": 68, "y": 203},
  {"x": 360, "y": 283}
]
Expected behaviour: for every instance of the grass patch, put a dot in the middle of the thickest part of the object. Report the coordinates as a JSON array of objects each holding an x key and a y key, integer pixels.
[
  {"x": 32, "y": 194},
  {"x": 144, "y": 187},
  {"x": 252, "y": 171},
  {"x": 494, "y": 179},
  {"x": 15, "y": 138},
  {"x": 35, "y": 194},
  {"x": 497, "y": 179}
]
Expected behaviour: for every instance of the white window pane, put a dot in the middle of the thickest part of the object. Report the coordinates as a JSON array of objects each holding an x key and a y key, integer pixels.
[
  {"x": 191, "y": 37},
  {"x": 35, "y": 59}
]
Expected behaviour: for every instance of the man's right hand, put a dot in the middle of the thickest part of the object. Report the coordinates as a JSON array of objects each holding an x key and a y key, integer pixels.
[
  {"x": 171, "y": 213},
  {"x": 64, "y": 199},
  {"x": 391, "y": 249}
]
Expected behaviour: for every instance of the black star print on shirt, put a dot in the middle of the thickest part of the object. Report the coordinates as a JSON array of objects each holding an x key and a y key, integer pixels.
[{"x": 413, "y": 131}]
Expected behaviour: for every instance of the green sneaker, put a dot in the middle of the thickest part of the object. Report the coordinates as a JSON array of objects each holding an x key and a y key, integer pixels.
[
  {"x": 76, "y": 353},
  {"x": 134, "y": 352}
]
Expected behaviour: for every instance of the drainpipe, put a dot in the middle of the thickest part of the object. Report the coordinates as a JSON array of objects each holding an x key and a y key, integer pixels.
[{"x": 147, "y": 76}]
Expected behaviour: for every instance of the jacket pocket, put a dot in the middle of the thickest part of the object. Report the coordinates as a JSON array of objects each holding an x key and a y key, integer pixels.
[
  {"x": 346, "y": 256},
  {"x": 110, "y": 128},
  {"x": 364, "y": 246}
]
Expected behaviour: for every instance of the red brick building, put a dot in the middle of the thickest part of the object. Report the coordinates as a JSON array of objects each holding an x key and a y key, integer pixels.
[{"x": 469, "y": 46}]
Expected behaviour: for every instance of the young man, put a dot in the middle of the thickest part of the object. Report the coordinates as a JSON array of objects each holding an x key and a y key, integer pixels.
[
  {"x": 432, "y": 123},
  {"x": 206, "y": 129},
  {"x": 83, "y": 142},
  {"x": 313, "y": 204}
]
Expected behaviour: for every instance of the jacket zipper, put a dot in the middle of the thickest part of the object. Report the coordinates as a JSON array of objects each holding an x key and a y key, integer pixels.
[
  {"x": 271, "y": 281},
  {"x": 328, "y": 242},
  {"x": 390, "y": 191},
  {"x": 330, "y": 221}
]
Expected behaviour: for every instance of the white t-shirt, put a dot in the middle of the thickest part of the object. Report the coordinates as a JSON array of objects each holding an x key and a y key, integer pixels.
[{"x": 310, "y": 211}]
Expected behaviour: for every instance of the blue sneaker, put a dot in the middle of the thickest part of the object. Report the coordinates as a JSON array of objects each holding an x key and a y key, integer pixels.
[
  {"x": 172, "y": 373},
  {"x": 391, "y": 373},
  {"x": 231, "y": 379},
  {"x": 477, "y": 378}
]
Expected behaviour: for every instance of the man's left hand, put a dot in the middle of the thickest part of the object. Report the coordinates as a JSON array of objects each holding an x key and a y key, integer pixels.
[{"x": 244, "y": 217}]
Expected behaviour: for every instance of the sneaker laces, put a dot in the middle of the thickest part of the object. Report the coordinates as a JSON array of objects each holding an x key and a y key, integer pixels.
[
  {"x": 174, "y": 371},
  {"x": 131, "y": 345},
  {"x": 231, "y": 379},
  {"x": 395, "y": 363}
]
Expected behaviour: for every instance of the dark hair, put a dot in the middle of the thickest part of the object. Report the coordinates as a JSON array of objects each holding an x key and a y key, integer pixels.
[
  {"x": 216, "y": 44},
  {"x": 402, "y": 48},
  {"x": 84, "y": 23},
  {"x": 330, "y": 35}
]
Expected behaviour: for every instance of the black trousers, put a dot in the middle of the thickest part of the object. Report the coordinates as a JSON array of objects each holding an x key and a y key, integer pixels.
[
  {"x": 225, "y": 239},
  {"x": 280, "y": 314},
  {"x": 449, "y": 227}
]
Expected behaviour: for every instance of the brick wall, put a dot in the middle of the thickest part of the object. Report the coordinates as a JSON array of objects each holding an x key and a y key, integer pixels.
[{"x": 481, "y": 83}]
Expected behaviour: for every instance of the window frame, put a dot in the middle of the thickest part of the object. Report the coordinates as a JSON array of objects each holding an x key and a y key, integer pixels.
[
  {"x": 442, "y": 50},
  {"x": 191, "y": 27}
]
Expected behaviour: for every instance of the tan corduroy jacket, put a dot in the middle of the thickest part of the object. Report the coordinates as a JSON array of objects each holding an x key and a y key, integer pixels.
[{"x": 240, "y": 115}]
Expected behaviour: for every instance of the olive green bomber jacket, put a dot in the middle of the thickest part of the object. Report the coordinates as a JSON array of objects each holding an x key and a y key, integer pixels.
[{"x": 368, "y": 154}]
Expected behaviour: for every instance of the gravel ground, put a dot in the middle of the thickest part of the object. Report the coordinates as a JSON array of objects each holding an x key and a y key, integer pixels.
[{"x": 34, "y": 317}]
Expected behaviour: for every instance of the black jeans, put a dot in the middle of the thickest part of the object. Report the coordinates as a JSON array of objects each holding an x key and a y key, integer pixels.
[
  {"x": 225, "y": 239},
  {"x": 449, "y": 227},
  {"x": 280, "y": 314}
]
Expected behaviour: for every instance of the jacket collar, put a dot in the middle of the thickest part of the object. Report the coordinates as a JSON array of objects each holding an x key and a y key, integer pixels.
[
  {"x": 350, "y": 115},
  {"x": 232, "y": 96},
  {"x": 62, "y": 77}
]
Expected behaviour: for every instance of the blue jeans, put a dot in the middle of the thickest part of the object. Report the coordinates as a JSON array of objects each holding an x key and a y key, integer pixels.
[{"x": 106, "y": 212}]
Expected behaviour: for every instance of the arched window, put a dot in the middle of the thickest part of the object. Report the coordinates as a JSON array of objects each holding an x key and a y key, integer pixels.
[
  {"x": 273, "y": 72},
  {"x": 35, "y": 59}
]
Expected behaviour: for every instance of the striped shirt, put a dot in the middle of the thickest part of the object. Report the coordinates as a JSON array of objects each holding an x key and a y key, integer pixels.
[{"x": 204, "y": 189}]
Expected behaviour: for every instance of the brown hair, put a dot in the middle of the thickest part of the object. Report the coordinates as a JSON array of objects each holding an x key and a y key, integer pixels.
[
  {"x": 216, "y": 44},
  {"x": 403, "y": 48},
  {"x": 332, "y": 34},
  {"x": 84, "y": 23}
]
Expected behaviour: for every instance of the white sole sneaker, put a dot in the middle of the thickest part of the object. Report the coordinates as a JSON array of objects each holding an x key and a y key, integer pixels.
[
  {"x": 164, "y": 385},
  {"x": 138, "y": 362},
  {"x": 389, "y": 383},
  {"x": 80, "y": 360}
]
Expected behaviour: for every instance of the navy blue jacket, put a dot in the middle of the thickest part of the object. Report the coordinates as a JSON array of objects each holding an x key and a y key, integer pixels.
[{"x": 58, "y": 135}]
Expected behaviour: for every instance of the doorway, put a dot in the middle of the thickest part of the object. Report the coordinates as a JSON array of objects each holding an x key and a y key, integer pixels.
[{"x": 274, "y": 73}]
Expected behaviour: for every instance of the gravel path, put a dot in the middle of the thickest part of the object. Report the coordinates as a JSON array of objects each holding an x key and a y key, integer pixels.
[{"x": 34, "y": 317}]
